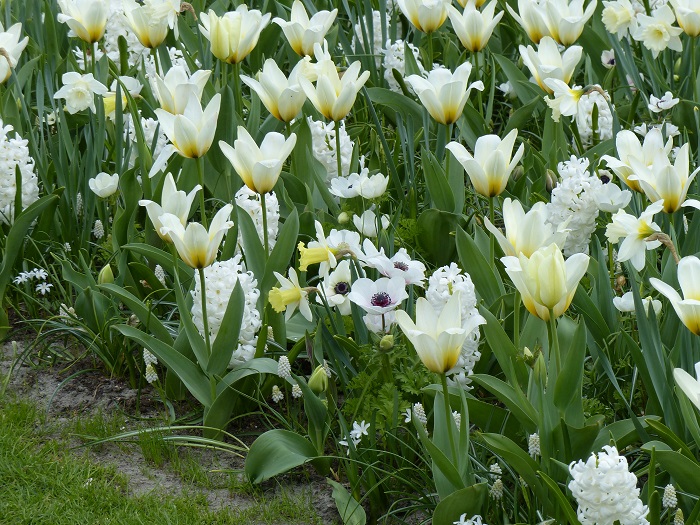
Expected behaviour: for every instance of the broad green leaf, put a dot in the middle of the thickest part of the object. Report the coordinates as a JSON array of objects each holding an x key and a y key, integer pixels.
[
  {"x": 439, "y": 188},
  {"x": 276, "y": 452},
  {"x": 562, "y": 503},
  {"x": 486, "y": 280},
  {"x": 469, "y": 501},
  {"x": 351, "y": 512}
]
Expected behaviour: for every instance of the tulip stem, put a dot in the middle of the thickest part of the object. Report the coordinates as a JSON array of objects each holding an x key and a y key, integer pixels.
[
  {"x": 430, "y": 50},
  {"x": 266, "y": 241},
  {"x": 693, "y": 71},
  {"x": 554, "y": 343},
  {"x": 200, "y": 173},
  {"x": 448, "y": 416},
  {"x": 516, "y": 320},
  {"x": 492, "y": 244},
  {"x": 154, "y": 54},
  {"x": 205, "y": 319},
  {"x": 338, "y": 156},
  {"x": 237, "y": 88}
]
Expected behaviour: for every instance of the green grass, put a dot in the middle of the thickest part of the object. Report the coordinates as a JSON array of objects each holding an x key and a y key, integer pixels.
[{"x": 43, "y": 482}]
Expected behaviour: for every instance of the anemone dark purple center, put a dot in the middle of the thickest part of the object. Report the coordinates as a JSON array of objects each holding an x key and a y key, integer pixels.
[
  {"x": 381, "y": 299},
  {"x": 604, "y": 179},
  {"x": 342, "y": 288},
  {"x": 401, "y": 266}
]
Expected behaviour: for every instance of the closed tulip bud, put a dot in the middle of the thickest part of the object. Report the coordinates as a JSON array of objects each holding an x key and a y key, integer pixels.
[
  {"x": 344, "y": 217},
  {"x": 540, "y": 370},
  {"x": 105, "y": 276},
  {"x": 550, "y": 180},
  {"x": 387, "y": 343},
  {"x": 318, "y": 382}
]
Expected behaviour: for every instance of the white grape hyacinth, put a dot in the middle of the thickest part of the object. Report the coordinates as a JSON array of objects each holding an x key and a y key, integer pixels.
[
  {"x": 14, "y": 154},
  {"x": 444, "y": 282},
  {"x": 606, "y": 491},
  {"x": 250, "y": 202},
  {"x": 220, "y": 278}
]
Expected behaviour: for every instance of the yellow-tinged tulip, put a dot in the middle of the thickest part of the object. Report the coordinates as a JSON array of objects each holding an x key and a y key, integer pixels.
[
  {"x": 548, "y": 62},
  {"x": 259, "y": 167},
  {"x": 10, "y": 42},
  {"x": 282, "y": 97},
  {"x": 688, "y": 306},
  {"x": 149, "y": 21},
  {"x": 303, "y": 33},
  {"x": 235, "y": 34},
  {"x": 545, "y": 281},
  {"x": 490, "y": 167},
  {"x": 196, "y": 246},
  {"x": 174, "y": 202},
  {"x": 474, "y": 27},
  {"x": 426, "y": 15},
  {"x": 437, "y": 338},
  {"x": 689, "y": 384},
  {"x": 87, "y": 19},
  {"x": 332, "y": 96},
  {"x": 443, "y": 93},
  {"x": 688, "y": 16},
  {"x": 175, "y": 89},
  {"x": 191, "y": 133},
  {"x": 566, "y": 19},
  {"x": 532, "y": 18}
]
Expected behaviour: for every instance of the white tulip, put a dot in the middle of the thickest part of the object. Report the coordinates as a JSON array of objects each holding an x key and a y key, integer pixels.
[
  {"x": 175, "y": 89},
  {"x": 366, "y": 223},
  {"x": 688, "y": 306},
  {"x": 532, "y": 18},
  {"x": 474, "y": 27},
  {"x": 104, "y": 185},
  {"x": 426, "y": 15},
  {"x": 567, "y": 18},
  {"x": 303, "y": 32},
  {"x": 235, "y": 34},
  {"x": 283, "y": 97},
  {"x": 548, "y": 62},
  {"x": 689, "y": 384},
  {"x": 87, "y": 19},
  {"x": 13, "y": 46},
  {"x": 688, "y": 15},
  {"x": 149, "y": 21},
  {"x": 174, "y": 202}
]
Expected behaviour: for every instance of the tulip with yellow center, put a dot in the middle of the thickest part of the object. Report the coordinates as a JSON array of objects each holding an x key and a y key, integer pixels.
[
  {"x": 687, "y": 307},
  {"x": 545, "y": 281},
  {"x": 196, "y": 245},
  {"x": 688, "y": 16},
  {"x": 443, "y": 93},
  {"x": 493, "y": 162},
  {"x": 10, "y": 42},
  {"x": 87, "y": 19},
  {"x": 175, "y": 89},
  {"x": 689, "y": 384},
  {"x": 259, "y": 167},
  {"x": 548, "y": 62},
  {"x": 235, "y": 34},
  {"x": 191, "y": 133},
  {"x": 174, "y": 202},
  {"x": 474, "y": 27},
  {"x": 283, "y": 97},
  {"x": 532, "y": 18},
  {"x": 332, "y": 96},
  {"x": 426, "y": 15},
  {"x": 567, "y": 18},
  {"x": 149, "y": 22},
  {"x": 303, "y": 32}
]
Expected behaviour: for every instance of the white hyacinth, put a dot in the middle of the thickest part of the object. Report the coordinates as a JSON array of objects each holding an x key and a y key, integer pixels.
[
  {"x": 606, "y": 491},
  {"x": 678, "y": 518},
  {"x": 584, "y": 117},
  {"x": 395, "y": 58},
  {"x": 574, "y": 199},
  {"x": 533, "y": 445},
  {"x": 160, "y": 274},
  {"x": 496, "y": 471},
  {"x": 14, "y": 153},
  {"x": 496, "y": 491},
  {"x": 98, "y": 230},
  {"x": 419, "y": 413},
  {"x": 324, "y": 146},
  {"x": 149, "y": 358},
  {"x": 149, "y": 127},
  {"x": 220, "y": 279},
  {"x": 176, "y": 59},
  {"x": 151, "y": 374},
  {"x": 670, "y": 498},
  {"x": 296, "y": 391},
  {"x": 444, "y": 282},
  {"x": 284, "y": 368},
  {"x": 277, "y": 394},
  {"x": 375, "y": 37},
  {"x": 250, "y": 202}
]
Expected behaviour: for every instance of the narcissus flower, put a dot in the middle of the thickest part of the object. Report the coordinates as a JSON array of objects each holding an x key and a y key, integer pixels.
[
  {"x": 235, "y": 34},
  {"x": 548, "y": 62},
  {"x": 492, "y": 163},
  {"x": 290, "y": 296},
  {"x": 619, "y": 17},
  {"x": 177, "y": 87},
  {"x": 283, "y": 97},
  {"x": 13, "y": 46},
  {"x": 87, "y": 19},
  {"x": 545, "y": 281},
  {"x": 303, "y": 32},
  {"x": 259, "y": 167},
  {"x": 566, "y": 99},
  {"x": 443, "y": 93},
  {"x": 635, "y": 231},
  {"x": 426, "y": 15},
  {"x": 79, "y": 91},
  {"x": 688, "y": 306},
  {"x": 474, "y": 27},
  {"x": 196, "y": 246},
  {"x": 657, "y": 32},
  {"x": 174, "y": 202}
]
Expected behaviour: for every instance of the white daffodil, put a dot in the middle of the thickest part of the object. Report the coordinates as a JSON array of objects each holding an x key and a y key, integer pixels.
[
  {"x": 493, "y": 162},
  {"x": 259, "y": 167},
  {"x": 688, "y": 16},
  {"x": 657, "y": 105},
  {"x": 567, "y": 18},
  {"x": 336, "y": 287},
  {"x": 443, "y": 93},
  {"x": 474, "y": 27},
  {"x": 191, "y": 133},
  {"x": 196, "y": 246},
  {"x": 625, "y": 304},
  {"x": 177, "y": 87},
  {"x": 332, "y": 96},
  {"x": 635, "y": 231},
  {"x": 548, "y": 62},
  {"x": 438, "y": 338},
  {"x": 657, "y": 32},
  {"x": 174, "y": 202},
  {"x": 566, "y": 99},
  {"x": 525, "y": 233},
  {"x": 688, "y": 306},
  {"x": 545, "y": 281},
  {"x": 13, "y": 46},
  {"x": 532, "y": 17},
  {"x": 87, "y": 19},
  {"x": 665, "y": 181},
  {"x": 290, "y": 296},
  {"x": 149, "y": 21},
  {"x": 130, "y": 84},
  {"x": 303, "y": 32},
  {"x": 79, "y": 91},
  {"x": 629, "y": 148},
  {"x": 426, "y": 15},
  {"x": 235, "y": 34},
  {"x": 378, "y": 297},
  {"x": 104, "y": 185},
  {"x": 366, "y": 223},
  {"x": 619, "y": 17},
  {"x": 283, "y": 97}
]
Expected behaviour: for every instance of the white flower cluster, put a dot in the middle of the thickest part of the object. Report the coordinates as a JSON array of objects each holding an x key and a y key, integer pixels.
[
  {"x": 250, "y": 201},
  {"x": 98, "y": 229},
  {"x": 444, "y": 282},
  {"x": 284, "y": 368},
  {"x": 419, "y": 413},
  {"x": 395, "y": 58},
  {"x": 474, "y": 520},
  {"x": 277, "y": 394},
  {"x": 149, "y": 127},
  {"x": 574, "y": 200},
  {"x": 358, "y": 430},
  {"x": 177, "y": 59},
  {"x": 606, "y": 491},
  {"x": 160, "y": 274},
  {"x": 584, "y": 118},
  {"x": 376, "y": 36},
  {"x": 324, "y": 146},
  {"x": 14, "y": 153},
  {"x": 533, "y": 445},
  {"x": 670, "y": 498},
  {"x": 39, "y": 274},
  {"x": 220, "y": 279}
]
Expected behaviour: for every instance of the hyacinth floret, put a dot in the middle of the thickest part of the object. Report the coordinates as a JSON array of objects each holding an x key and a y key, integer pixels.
[
  {"x": 324, "y": 147},
  {"x": 606, "y": 491},
  {"x": 14, "y": 153},
  {"x": 250, "y": 202}
]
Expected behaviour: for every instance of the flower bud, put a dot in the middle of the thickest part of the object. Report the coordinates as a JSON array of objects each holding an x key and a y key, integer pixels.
[
  {"x": 344, "y": 217},
  {"x": 105, "y": 276},
  {"x": 517, "y": 173},
  {"x": 551, "y": 181},
  {"x": 387, "y": 343},
  {"x": 540, "y": 369},
  {"x": 318, "y": 382}
]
